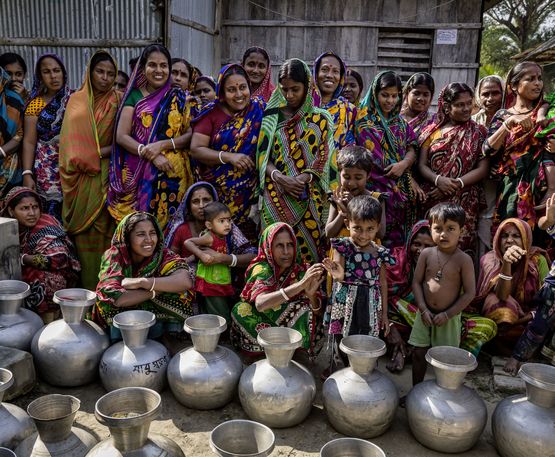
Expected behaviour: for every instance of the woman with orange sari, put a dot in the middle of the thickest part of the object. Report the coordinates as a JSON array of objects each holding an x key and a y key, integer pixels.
[{"x": 85, "y": 147}]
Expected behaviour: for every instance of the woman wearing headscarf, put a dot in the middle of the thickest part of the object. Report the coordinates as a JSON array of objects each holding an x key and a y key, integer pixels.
[
  {"x": 256, "y": 63},
  {"x": 44, "y": 115},
  {"x": 354, "y": 86},
  {"x": 150, "y": 168},
  {"x": 417, "y": 100},
  {"x": 85, "y": 150}
]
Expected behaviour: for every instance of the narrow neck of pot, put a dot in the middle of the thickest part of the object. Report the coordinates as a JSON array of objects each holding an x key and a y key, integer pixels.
[
  {"x": 55, "y": 430},
  {"x": 205, "y": 343},
  {"x": 362, "y": 364},
  {"x": 133, "y": 337},
  {"x": 449, "y": 379},
  {"x": 127, "y": 439},
  {"x": 10, "y": 306},
  {"x": 73, "y": 314},
  {"x": 279, "y": 357},
  {"x": 540, "y": 397}
]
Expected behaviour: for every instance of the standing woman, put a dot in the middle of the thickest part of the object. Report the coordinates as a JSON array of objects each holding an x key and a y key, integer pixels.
[
  {"x": 41, "y": 132},
  {"x": 392, "y": 143},
  {"x": 294, "y": 152},
  {"x": 85, "y": 149},
  {"x": 225, "y": 135},
  {"x": 256, "y": 63},
  {"x": 352, "y": 90},
  {"x": 488, "y": 98},
  {"x": 150, "y": 169},
  {"x": 417, "y": 99},
  {"x": 11, "y": 132}
]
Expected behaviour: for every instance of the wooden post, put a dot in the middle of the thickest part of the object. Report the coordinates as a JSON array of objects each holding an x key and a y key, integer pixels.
[{"x": 10, "y": 268}]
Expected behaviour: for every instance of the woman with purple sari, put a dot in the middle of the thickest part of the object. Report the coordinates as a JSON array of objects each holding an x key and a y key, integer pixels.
[{"x": 417, "y": 99}]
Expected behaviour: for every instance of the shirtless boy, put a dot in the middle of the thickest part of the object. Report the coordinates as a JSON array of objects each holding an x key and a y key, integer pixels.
[{"x": 440, "y": 273}]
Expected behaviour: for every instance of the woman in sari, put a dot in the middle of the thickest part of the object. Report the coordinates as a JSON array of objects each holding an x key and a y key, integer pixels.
[
  {"x": 256, "y": 63},
  {"x": 48, "y": 261},
  {"x": 138, "y": 272},
  {"x": 16, "y": 68},
  {"x": 517, "y": 155},
  {"x": 451, "y": 161},
  {"x": 11, "y": 132},
  {"x": 294, "y": 154},
  {"x": 352, "y": 90},
  {"x": 280, "y": 292},
  {"x": 510, "y": 276},
  {"x": 225, "y": 135},
  {"x": 391, "y": 141},
  {"x": 476, "y": 330},
  {"x": 417, "y": 99},
  {"x": 150, "y": 169},
  {"x": 41, "y": 132},
  {"x": 85, "y": 149}
]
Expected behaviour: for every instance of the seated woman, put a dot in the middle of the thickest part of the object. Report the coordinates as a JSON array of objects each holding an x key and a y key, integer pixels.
[
  {"x": 138, "y": 272},
  {"x": 510, "y": 276},
  {"x": 48, "y": 257},
  {"x": 477, "y": 330},
  {"x": 280, "y": 292}
]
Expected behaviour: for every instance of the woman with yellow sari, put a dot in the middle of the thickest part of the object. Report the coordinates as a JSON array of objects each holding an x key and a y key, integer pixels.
[{"x": 85, "y": 148}]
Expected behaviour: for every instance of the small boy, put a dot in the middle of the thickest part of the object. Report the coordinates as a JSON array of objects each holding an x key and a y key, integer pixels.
[{"x": 440, "y": 272}]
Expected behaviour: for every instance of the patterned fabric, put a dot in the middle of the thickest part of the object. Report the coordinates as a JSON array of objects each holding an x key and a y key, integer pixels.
[
  {"x": 88, "y": 126},
  {"x": 49, "y": 125},
  {"x": 239, "y": 135},
  {"x": 11, "y": 125},
  {"x": 388, "y": 140},
  {"x": 55, "y": 264},
  {"x": 214, "y": 280},
  {"x": 117, "y": 264},
  {"x": 528, "y": 275},
  {"x": 301, "y": 144},
  {"x": 357, "y": 300},
  {"x": 417, "y": 123},
  {"x": 453, "y": 152},
  {"x": 476, "y": 330},
  {"x": 135, "y": 183},
  {"x": 262, "y": 278}
]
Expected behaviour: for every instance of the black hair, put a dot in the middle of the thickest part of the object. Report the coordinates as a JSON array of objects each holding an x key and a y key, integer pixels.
[
  {"x": 364, "y": 208},
  {"x": 389, "y": 79},
  {"x": 134, "y": 219},
  {"x": 207, "y": 79},
  {"x": 355, "y": 74},
  {"x": 190, "y": 68},
  {"x": 453, "y": 91},
  {"x": 11, "y": 57},
  {"x": 354, "y": 156},
  {"x": 16, "y": 200},
  {"x": 132, "y": 62},
  {"x": 293, "y": 69},
  {"x": 518, "y": 72},
  {"x": 151, "y": 48},
  {"x": 420, "y": 79},
  {"x": 447, "y": 211},
  {"x": 101, "y": 57},
  {"x": 234, "y": 70},
  {"x": 214, "y": 209},
  {"x": 125, "y": 75},
  {"x": 258, "y": 50},
  {"x": 197, "y": 71},
  {"x": 331, "y": 54},
  {"x": 206, "y": 187}
]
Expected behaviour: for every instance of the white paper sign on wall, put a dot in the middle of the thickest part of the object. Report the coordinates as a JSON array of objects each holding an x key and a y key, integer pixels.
[{"x": 446, "y": 36}]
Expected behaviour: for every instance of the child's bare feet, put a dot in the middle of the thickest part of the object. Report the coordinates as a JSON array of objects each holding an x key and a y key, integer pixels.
[
  {"x": 512, "y": 366},
  {"x": 397, "y": 363}
]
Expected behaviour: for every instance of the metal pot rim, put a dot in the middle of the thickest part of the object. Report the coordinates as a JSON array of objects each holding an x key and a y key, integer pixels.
[
  {"x": 144, "y": 319},
  {"x": 265, "y": 428},
  {"x": 6, "y": 283},
  {"x": 190, "y": 327},
  {"x": 348, "y": 349},
  {"x": 432, "y": 359},
  {"x": 84, "y": 299},
  {"x": 76, "y": 405},
  {"x": 529, "y": 373},
  {"x": 9, "y": 382},
  {"x": 349, "y": 439},
  {"x": 294, "y": 341},
  {"x": 127, "y": 422}
]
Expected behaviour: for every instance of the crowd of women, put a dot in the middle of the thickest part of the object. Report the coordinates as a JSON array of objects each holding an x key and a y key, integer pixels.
[{"x": 114, "y": 187}]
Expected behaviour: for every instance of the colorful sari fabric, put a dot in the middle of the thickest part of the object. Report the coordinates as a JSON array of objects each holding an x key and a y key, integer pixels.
[
  {"x": 388, "y": 140},
  {"x": 239, "y": 135},
  {"x": 452, "y": 153},
  {"x": 263, "y": 278},
  {"x": 117, "y": 264},
  {"x": 88, "y": 126},
  {"x": 135, "y": 183},
  {"x": 528, "y": 275},
  {"x": 11, "y": 125},
  {"x": 301, "y": 144},
  {"x": 49, "y": 125},
  {"x": 55, "y": 264},
  {"x": 476, "y": 330},
  {"x": 419, "y": 123}
]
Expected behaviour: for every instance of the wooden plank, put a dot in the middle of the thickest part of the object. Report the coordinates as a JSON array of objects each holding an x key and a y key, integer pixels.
[
  {"x": 10, "y": 268},
  {"x": 403, "y": 55},
  {"x": 385, "y": 44},
  {"x": 192, "y": 24},
  {"x": 368, "y": 24},
  {"x": 415, "y": 36},
  {"x": 76, "y": 42},
  {"x": 382, "y": 63},
  {"x": 457, "y": 65}
]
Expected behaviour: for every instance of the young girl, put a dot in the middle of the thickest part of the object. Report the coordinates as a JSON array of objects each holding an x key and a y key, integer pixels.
[
  {"x": 213, "y": 279},
  {"x": 359, "y": 299}
]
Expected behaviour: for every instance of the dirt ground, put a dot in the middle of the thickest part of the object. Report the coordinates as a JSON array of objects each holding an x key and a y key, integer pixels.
[{"x": 191, "y": 429}]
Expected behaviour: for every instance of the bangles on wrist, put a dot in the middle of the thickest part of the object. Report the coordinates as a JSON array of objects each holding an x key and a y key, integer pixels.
[
  {"x": 436, "y": 180},
  {"x": 220, "y": 157}
]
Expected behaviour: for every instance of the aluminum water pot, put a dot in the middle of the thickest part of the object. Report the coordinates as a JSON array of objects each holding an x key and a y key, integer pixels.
[
  {"x": 54, "y": 416},
  {"x": 67, "y": 351},
  {"x": 358, "y": 400},
  {"x": 15, "y": 424},
  {"x": 351, "y": 447},
  {"x": 136, "y": 361},
  {"x": 524, "y": 425},
  {"x": 128, "y": 412},
  {"x": 443, "y": 414},
  {"x": 5, "y": 452},
  {"x": 242, "y": 438},
  {"x": 277, "y": 391},
  {"x": 206, "y": 375},
  {"x": 17, "y": 324}
]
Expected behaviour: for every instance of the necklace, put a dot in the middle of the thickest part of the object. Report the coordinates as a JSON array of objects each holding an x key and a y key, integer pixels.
[
  {"x": 523, "y": 112},
  {"x": 439, "y": 273}
]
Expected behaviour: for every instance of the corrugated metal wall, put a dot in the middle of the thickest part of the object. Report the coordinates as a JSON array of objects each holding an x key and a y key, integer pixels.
[{"x": 74, "y": 29}]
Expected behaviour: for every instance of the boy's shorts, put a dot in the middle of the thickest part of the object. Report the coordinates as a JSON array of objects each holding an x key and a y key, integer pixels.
[{"x": 449, "y": 334}]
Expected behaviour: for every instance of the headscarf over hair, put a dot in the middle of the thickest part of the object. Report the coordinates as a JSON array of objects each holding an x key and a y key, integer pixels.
[
  {"x": 266, "y": 87},
  {"x": 14, "y": 193},
  {"x": 419, "y": 122},
  {"x": 526, "y": 276},
  {"x": 208, "y": 79},
  {"x": 343, "y": 69},
  {"x": 490, "y": 78}
]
